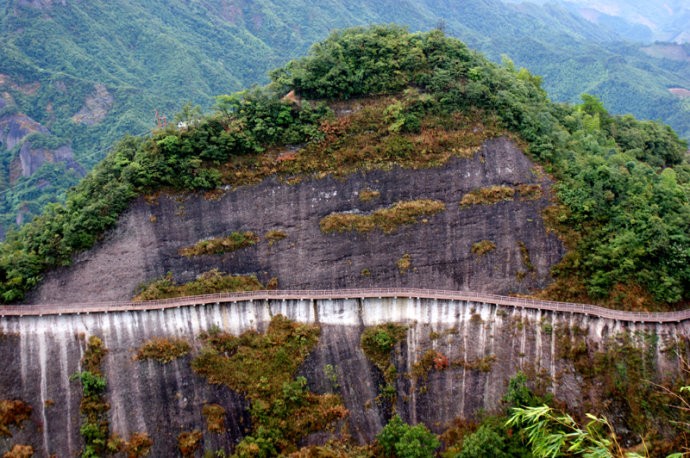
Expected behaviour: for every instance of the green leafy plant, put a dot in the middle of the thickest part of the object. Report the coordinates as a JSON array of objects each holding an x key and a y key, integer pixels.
[
  {"x": 484, "y": 442},
  {"x": 93, "y": 407},
  {"x": 398, "y": 439},
  {"x": 552, "y": 434}
]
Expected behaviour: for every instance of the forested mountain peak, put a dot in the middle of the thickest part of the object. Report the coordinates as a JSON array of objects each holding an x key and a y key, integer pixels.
[
  {"x": 623, "y": 185},
  {"x": 88, "y": 72}
]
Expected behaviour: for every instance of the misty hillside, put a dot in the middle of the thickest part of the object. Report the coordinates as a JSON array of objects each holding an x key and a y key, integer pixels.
[{"x": 638, "y": 20}]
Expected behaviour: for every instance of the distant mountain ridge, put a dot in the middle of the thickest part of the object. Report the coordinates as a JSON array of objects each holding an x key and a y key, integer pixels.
[
  {"x": 88, "y": 72},
  {"x": 643, "y": 20},
  {"x": 667, "y": 21}
]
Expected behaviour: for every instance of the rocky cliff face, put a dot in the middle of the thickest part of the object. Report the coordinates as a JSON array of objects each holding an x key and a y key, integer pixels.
[
  {"x": 484, "y": 344},
  {"x": 16, "y": 127},
  {"x": 15, "y": 131},
  {"x": 146, "y": 243},
  {"x": 96, "y": 106}
]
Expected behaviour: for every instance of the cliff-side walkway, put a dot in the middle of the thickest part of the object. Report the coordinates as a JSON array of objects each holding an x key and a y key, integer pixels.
[{"x": 225, "y": 298}]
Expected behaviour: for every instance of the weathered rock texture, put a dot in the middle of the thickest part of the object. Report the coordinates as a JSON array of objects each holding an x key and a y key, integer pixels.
[
  {"x": 146, "y": 243},
  {"x": 40, "y": 353},
  {"x": 16, "y": 127},
  {"x": 96, "y": 106},
  {"x": 16, "y": 131}
]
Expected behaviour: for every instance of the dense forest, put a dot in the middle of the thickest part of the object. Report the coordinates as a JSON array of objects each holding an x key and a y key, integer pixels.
[
  {"x": 623, "y": 184},
  {"x": 88, "y": 73}
]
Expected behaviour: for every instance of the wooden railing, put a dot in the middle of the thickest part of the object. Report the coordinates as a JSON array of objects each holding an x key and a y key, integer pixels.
[{"x": 188, "y": 301}]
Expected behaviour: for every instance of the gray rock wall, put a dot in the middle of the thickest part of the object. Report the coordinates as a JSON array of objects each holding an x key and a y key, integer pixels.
[
  {"x": 145, "y": 244},
  {"x": 40, "y": 354}
]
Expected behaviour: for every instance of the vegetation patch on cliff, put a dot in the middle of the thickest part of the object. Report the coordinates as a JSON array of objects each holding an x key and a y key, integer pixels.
[
  {"x": 20, "y": 451},
  {"x": 378, "y": 343},
  {"x": 529, "y": 191},
  {"x": 494, "y": 194},
  {"x": 218, "y": 245},
  {"x": 488, "y": 196},
  {"x": 363, "y": 140},
  {"x": 404, "y": 263},
  {"x": 482, "y": 247},
  {"x": 481, "y": 364},
  {"x": 209, "y": 282},
  {"x": 430, "y": 360},
  {"x": 387, "y": 220},
  {"x": 274, "y": 236},
  {"x": 188, "y": 442},
  {"x": 215, "y": 418},
  {"x": 138, "y": 445},
  {"x": 366, "y": 195},
  {"x": 263, "y": 367},
  {"x": 163, "y": 349},
  {"x": 12, "y": 414},
  {"x": 93, "y": 407}
]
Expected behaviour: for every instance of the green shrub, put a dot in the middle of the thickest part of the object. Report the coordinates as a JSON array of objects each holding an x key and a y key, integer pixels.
[
  {"x": 482, "y": 443},
  {"x": 398, "y": 439},
  {"x": 92, "y": 384},
  {"x": 209, "y": 282},
  {"x": 163, "y": 349}
]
